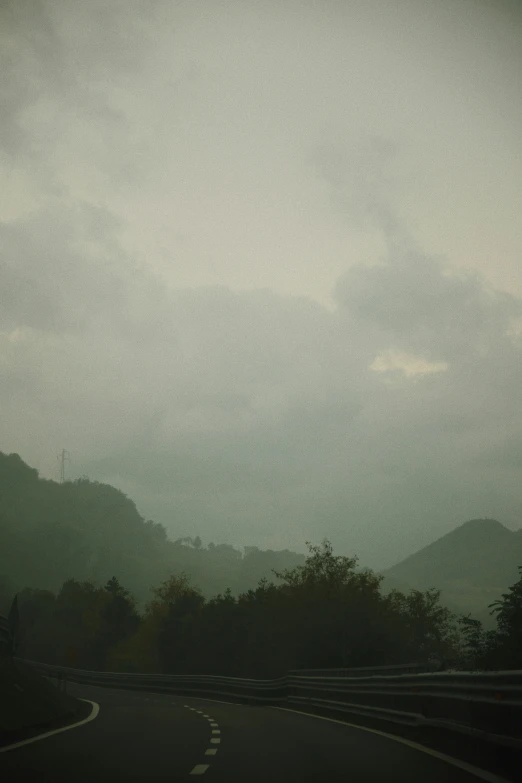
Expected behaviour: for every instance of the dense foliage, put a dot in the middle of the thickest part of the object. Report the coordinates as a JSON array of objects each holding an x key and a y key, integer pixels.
[
  {"x": 324, "y": 613},
  {"x": 60, "y": 542}
]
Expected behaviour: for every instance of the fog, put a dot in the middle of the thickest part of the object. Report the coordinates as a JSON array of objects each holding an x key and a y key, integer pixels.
[{"x": 260, "y": 262}]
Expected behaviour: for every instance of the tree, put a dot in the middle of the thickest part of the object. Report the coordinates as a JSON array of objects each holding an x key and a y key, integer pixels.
[
  {"x": 156, "y": 531},
  {"x": 321, "y": 567},
  {"x": 114, "y": 588},
  {"x": 508, "y": 612},
  {"x": 431, "y": 630},
  {"x": 117, "y": 621},
  {"x": 479, "y": 646},
  {"x": 173, "y": 612},
  {"x": 323, "y": 613},
  {"x": 220, "y": 628},
  {"x": 34, "y": 637},
  {"x": 332, "y": 610}
]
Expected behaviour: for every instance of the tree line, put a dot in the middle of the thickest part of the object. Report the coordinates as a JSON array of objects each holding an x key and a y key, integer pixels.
[{"x": 324, "y": 613}]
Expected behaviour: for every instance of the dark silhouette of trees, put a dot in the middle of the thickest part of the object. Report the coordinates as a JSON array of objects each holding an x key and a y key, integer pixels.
[
  {"x": 174, "y": 611},
  {"x": 117, "y": 620},
  {"x": 324, "y": 613},
  {"x": 507, "y": 651}
]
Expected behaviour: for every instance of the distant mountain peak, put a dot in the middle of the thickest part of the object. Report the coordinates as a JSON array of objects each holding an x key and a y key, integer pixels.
[
  {"x": 483, "y": 522},
  {"x": 478, "y": 529},
  {"x": 481, "y": 552}
]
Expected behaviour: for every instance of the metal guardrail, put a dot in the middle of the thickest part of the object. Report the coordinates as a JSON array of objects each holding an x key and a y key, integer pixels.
[
  {"x": 253, "y": 691},
  {"x": 486, "y": 705},
  {"x": 368, "y": 671}
]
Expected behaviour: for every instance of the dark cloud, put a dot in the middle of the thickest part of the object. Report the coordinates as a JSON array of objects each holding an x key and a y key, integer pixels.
[
  {"x": 361, "y": 181},
  {"x": 421, "y": 306},
  {"x": 30, "y": 57},
  {"x": 61, "y": 268},
  {"x": 248, "y": 415}
]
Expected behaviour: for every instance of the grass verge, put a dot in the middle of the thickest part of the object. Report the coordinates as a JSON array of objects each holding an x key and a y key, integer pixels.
[{"x": 30, "y": 704}]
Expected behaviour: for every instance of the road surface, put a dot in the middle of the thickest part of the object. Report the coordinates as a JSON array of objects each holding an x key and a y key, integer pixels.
[{"x": 151, "y": 737}]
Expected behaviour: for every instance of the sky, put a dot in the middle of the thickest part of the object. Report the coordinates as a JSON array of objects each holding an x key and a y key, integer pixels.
[{"x": 260, "y": 262}]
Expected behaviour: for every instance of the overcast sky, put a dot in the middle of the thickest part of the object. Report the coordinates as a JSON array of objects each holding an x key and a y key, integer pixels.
[{"x": 261, "y": 262}]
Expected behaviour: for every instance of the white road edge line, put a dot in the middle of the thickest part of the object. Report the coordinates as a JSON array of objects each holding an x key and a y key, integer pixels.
[
  {"x": 483, "y": 774},
  {"x": 94, "y": 712}
]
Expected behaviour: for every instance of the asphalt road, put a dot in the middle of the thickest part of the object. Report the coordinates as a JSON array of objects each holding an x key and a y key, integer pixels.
[{"x": 139, "y": 736}]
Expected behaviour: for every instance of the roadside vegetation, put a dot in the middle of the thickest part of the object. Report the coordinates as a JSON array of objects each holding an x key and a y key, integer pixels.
[{"x": 323, "y": 613}]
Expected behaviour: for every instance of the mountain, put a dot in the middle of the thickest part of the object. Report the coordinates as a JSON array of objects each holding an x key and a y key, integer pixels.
[
  {"x": 87, "y": 530},
  {"x": 91, "y": 531},
  {"x": 472, "y": 566}
]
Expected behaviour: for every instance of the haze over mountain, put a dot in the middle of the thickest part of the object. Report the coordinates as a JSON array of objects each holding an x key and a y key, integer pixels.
[
  {"x": 51, "y": 532},
  {"x": 84, "y": 530},
  {"x": 472, "y": 565}
]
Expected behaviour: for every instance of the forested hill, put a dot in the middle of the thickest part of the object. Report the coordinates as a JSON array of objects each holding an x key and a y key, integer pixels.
[
  {"x": 89, "y": 531},
  {"x": 86, "y": 530}
]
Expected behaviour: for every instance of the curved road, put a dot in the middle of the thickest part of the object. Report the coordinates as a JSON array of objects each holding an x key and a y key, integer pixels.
[{"x": 151, "y": 737}]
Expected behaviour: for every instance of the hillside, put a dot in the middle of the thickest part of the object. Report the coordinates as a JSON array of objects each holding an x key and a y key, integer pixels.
[
  {"x": 472, "y": 565},
  {"x": 90, "y": 531},
  {"x": 86, "y": 530}
]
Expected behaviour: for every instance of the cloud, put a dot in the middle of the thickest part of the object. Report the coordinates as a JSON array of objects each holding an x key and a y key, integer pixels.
[
  {"x": 417, "y": 302},
  {"x": 361, "y": 180},
  {"x": 257, "y": 417},
  {"x": 214, "y": 289},
  {"x": 61, "y": 267},
  {"x": 411, "y": 366}
]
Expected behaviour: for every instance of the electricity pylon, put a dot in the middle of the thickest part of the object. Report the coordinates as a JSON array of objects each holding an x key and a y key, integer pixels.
[{"x": 63, "y": 457}]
